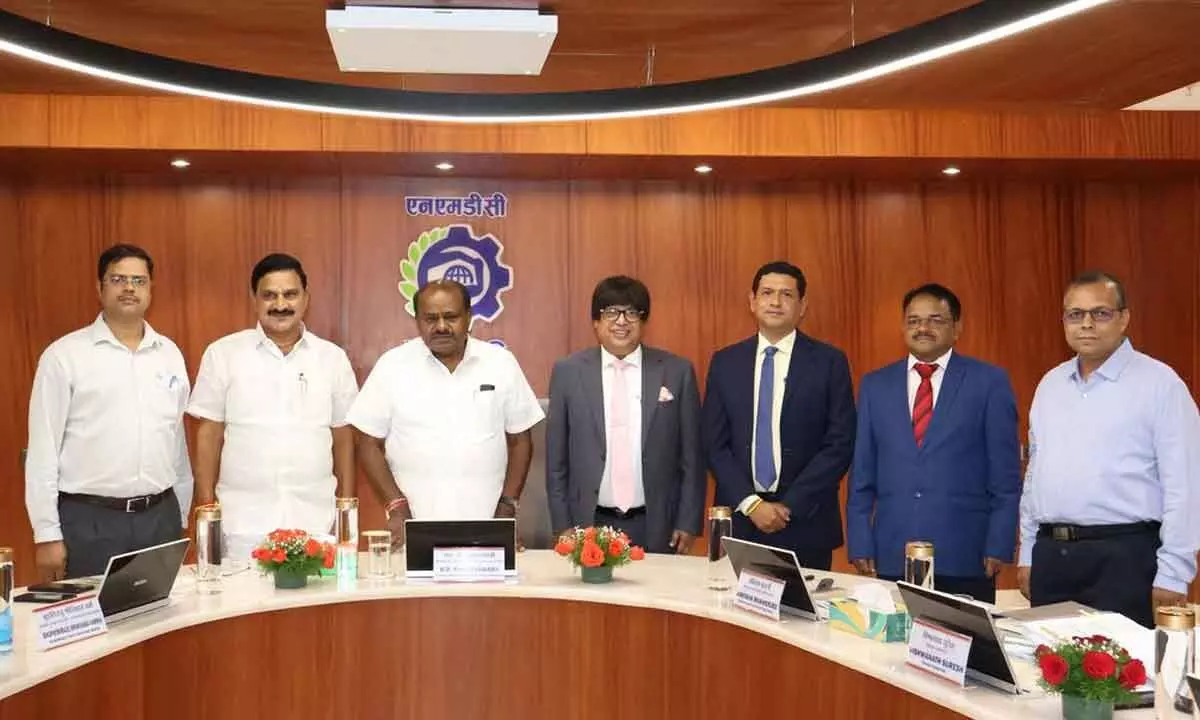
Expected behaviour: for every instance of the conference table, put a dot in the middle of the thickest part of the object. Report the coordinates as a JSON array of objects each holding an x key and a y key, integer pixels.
[{"x": 653, "y": 643}]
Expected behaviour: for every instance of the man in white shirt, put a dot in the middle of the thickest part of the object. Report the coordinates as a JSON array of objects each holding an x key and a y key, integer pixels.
[
  {"x": 106, "y": 438},
  {"x": 273, "y": 444},
  {"x": 445, "y": 419}
]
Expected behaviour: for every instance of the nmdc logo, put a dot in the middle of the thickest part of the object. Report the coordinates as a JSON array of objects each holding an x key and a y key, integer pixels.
[{"x": 456, "y": 253}]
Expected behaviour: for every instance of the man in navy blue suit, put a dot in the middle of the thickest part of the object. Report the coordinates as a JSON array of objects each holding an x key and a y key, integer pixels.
[
  {"x": 936, "y": 457},
  {"x": 779, "y": 425}
]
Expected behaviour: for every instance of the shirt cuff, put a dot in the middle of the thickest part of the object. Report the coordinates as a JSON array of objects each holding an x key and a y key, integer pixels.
[
  {"x": 50, "y": 534},
  {"x": 1166, "y": 582},
  {"x": 744, "y": 505}
]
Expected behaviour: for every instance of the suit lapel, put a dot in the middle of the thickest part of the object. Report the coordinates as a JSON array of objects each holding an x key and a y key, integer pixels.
[
  {"x": 944, "y": 405},
  {"x": 897, "y": 410},
  {"x": 652, "y": 380},
  {"x": 593, "y": 390},
  {"x": 792, "y": 381}
]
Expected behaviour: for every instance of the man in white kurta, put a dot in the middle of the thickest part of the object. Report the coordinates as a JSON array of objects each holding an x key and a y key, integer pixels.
[
  {"x": 451, "y": 415},
  {"x": 272, "y": 402}
]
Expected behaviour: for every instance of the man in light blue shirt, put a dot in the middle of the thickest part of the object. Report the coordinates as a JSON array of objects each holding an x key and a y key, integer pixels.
[{"x": 1112, "y": 490}]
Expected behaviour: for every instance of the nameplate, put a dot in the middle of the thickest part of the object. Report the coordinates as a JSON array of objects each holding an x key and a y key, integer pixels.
[
  {"x": 939, "y": 652},
  {"x": 68, "y": 621},
  {"x": 468, "y": 564},
  {"x": 759, "y": 594}
]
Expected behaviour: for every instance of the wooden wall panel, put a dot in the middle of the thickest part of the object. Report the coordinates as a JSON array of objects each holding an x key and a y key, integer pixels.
[{"x": 1007, "y": 248}]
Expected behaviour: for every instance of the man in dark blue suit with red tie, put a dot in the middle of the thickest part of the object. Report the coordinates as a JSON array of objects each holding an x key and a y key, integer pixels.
[
  {"x": 936, "y": 457},
  {"x": 779, "y": 425}
]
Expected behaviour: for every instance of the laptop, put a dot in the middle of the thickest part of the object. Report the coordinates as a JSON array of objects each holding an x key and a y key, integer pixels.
[
  {"x": 776, "y": 563},
  {"x": 140, "y": 581},
  {"x": 422, "y": 537},
  {"x": 987, "y": 662}
]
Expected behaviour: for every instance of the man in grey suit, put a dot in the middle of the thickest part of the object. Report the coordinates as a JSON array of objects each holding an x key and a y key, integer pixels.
[{"x": 623, "y": 435}]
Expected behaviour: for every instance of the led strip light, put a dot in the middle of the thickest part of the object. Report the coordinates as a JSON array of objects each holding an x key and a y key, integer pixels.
[{"x": 971, "y": 27}]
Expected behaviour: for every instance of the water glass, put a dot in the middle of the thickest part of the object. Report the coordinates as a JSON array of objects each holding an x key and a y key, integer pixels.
[{"x": 379, "y": 553}]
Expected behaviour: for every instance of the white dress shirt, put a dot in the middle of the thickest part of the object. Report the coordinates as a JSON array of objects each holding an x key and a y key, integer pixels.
[
  {"x": 105, "y": 420},
  {"x": 633, "y": 400},
  {"x": 783, "y": 358},
  {"x": 278, "y": 410},
  {"x": 445, "y": 432},
  {"x": 914, "y": 378}
]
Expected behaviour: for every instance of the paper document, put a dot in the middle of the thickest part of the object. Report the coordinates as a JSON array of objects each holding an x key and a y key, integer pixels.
[{"x": 1138, "y": 640}]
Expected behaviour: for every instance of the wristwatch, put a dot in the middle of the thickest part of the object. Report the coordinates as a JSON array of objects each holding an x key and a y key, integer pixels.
[{"x": 512, "y": 502}]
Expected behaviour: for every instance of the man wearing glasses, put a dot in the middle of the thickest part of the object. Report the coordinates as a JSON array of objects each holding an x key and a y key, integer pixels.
[
  {"x": 623, "y": 438},
  {"x": 107, "y": 467},
  {"x": 1112, "y": 489},
  {"x": 936, "y": 457}
]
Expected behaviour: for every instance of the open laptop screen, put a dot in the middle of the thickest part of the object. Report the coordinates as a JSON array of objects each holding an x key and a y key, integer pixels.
[
  {"x": 421, "y": 537},
  {"x": 141, "y": 579}
]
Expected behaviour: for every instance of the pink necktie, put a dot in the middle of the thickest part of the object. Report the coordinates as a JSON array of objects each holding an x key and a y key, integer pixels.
[{"x": 621, "y": 459}]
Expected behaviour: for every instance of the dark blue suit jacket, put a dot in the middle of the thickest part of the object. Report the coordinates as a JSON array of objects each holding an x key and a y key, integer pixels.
[
  {"x": 816, "y": 433},
  {"x": 960, "y": 490}
]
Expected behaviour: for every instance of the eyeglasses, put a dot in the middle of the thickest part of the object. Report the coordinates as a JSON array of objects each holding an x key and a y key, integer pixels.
[
  {"x": 1100, "y": 315},
  {"x": 934, "y": 321},
  {"x": 123, "y": 280},
  {"x": 631, "y": 315}
]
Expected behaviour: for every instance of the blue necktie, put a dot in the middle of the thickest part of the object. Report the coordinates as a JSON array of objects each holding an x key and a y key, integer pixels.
[{"x": 764, "y": 441}]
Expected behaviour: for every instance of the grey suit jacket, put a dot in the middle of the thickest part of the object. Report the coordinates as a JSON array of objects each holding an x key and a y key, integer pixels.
[{"x": 673, "y": 470}]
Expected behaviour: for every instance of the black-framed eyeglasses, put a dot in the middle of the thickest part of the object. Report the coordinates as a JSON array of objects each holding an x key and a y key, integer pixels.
[
  {"x": 123, "y": 280},
  {"x": 934, "y": 321},
  {"x": 631, "y": 315},
  {"x": 1099, "y": 315}
]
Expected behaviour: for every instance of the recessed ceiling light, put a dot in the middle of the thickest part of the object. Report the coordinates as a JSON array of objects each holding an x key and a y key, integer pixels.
[
  {"x": 341, "y": 30},
  {"x": 951, "y": 171},
  {"x": 180, "y": 164},
  {"x": 978, "y": 24},
  {"x": 444, "y": 166},
  {"x": 703, "y": 169}
]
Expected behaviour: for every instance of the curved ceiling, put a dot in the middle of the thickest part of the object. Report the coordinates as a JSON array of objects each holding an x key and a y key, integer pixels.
[
  {"x": 1109, "y": 57},
  {"x": 601, "y": 44}
]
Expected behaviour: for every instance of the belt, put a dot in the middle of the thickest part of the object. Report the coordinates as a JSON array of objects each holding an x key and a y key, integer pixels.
[
  {"x": 130, "y": 505},
  {"x": 1072, "y": 533},
  {"x": 622, "y": 514}
]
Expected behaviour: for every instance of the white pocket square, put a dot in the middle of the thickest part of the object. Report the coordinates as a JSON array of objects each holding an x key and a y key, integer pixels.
[{"x": 664, "y": 395}]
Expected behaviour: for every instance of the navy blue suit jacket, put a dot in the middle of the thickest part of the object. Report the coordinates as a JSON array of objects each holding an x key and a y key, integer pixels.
[
  {"x": 960, "y": 490},
  {"x": 816, "y": 433}
]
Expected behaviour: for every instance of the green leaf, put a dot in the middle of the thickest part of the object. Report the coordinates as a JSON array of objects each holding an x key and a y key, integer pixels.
[
  {"x": 414, "y": 253},
  {"x": 408, "y": 271},
  {"x": 408, "y": 289}
]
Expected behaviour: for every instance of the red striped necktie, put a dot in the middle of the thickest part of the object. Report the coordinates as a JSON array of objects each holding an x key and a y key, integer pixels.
[{"x": 922, "y": 411}]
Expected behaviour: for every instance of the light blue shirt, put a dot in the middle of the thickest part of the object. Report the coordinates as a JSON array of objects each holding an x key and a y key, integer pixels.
[{"x": 1121, "y": 447}]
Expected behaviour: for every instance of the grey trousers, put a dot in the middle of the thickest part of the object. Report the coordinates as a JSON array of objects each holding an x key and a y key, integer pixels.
[{"x": 93, "y": 533}]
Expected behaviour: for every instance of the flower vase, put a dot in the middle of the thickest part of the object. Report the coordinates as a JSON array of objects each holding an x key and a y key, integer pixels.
[
  {"x": 1075, "y": 707},
  {"x": 596, "y": 575},
  {"x": 288, "y": 579}
]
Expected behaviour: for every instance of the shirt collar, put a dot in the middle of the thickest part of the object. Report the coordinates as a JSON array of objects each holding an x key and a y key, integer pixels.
[
  {"x": 783, "y": 347},
  {"x": 634, "y": 358},
  {"x": 101, "y": 332},
  {"x": 1112, "y": 368},
  {"x": 943, "y": 362},
  {"x": 264, "y": 340},
  {"x": 471, "y": 351}
]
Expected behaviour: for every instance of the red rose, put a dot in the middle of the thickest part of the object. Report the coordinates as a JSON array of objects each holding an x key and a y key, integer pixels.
[
  {"x": 279, "y": 556},
  {"x": 312, "y": 548},
  {"x": 592, "y": 555},
  {"x": 327, "y": 561},
  {"x": 1099, "y": 665},
  {"x": 589, "y": 534},
  {"x": 615, "y": 548},
  {"x": 1098, "y": 639},
  {"x": 1054, "y": 668},
  {"x": 563, "y": 548},
  {"x": 637, "y": 553},
  {"x": 1133, "y": 675},
  {"x": 1041, "y": 650}
]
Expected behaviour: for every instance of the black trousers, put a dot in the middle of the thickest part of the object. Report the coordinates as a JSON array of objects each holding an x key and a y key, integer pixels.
[
  {"x": 634, "y": 527},
  {"x": 1114, "y": 574},
  {"x": 93, "y": 533},
  {"x": 981, "y": 588}
]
